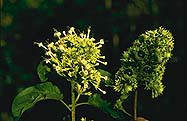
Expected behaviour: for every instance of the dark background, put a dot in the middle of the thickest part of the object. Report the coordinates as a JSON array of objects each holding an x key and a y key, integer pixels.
[{"x": 118, "y": 22}]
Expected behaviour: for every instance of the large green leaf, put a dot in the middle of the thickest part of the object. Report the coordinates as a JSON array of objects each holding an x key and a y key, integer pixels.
[
  {"x": 27, "y": 98},
  {"x": 42, "y": 71},
  {"x": 96, "y": 101}
]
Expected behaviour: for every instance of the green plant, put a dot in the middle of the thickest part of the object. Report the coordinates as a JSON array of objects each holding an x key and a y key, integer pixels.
[
  {"x": 144, "y": 64},
  {"x": 75, "y": 57}
]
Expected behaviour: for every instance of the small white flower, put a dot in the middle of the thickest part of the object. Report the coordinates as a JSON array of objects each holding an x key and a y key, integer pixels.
[
  {"x": 105, "y": 77},
  {"x": 103, "y": 57},
  {"x": 64, "y": 33},
  {"x": 82, "y": 35},
  {"x": 86, "y": 72},
  {"x": 101, "y": 41},
  {"x": 50, "y": 45},
  {"x": 92, "y": 39},
  {"x": 48, "y": 53},
  {"x": 40, "y": 44},
  {"x": 57, "y": 68},
  {"x": 99, "y": 46},
  {"x": 104, "y": 92},
  {"x": 47, "y": 61},
  {"x": 88, "y": 34},
  {"x": 104, "y": 63},
  {"x": 57, "y": 34},
  {"x": 72, "y": 30},
  {"x": 83, "y": 119},
  {"x": 96, "y": 64},
  {"x": 61, "y": 47}
]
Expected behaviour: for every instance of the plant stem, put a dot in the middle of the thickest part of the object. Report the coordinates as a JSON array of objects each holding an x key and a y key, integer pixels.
[
  {"x": 135, "y": 105},
  {"x": 126, "y": 112},
  {"x": 77, "y": 97},
  {"x": 72, "y": 101},
  {"x": 65, "y": 105},
  {"x": 83, "y": 103}
]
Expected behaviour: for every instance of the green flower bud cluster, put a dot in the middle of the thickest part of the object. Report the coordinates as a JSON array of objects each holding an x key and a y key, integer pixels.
[
  {"x": 75, "y": 57},
  {"x": 144, "y": 62}
]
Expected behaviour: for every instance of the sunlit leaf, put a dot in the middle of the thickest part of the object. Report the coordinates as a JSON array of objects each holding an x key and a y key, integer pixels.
[{"x": 27, "y": 98}]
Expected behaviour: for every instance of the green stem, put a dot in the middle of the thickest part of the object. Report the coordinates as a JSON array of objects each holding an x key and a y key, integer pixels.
[
  {"x": 135, "y": 105},
  {"x": 72, "y": 101},
  {"x": 83, "y": 103},
  {"x": 126, "y": 112},
  {"x": 77, "y": 97},
  {"x": 65, "y": 105}
]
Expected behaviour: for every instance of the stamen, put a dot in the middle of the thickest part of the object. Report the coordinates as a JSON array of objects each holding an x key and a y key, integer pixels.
[
  {"x": 104, "y": 92},
  {"x": 88, "y": 32}
]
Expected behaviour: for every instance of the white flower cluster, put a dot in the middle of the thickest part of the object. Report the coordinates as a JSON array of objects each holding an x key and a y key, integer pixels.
[{"x": 75, "y": 57}]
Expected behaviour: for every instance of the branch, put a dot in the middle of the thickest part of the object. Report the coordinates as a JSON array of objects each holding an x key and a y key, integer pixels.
[
  {"x": 65, "y": 105},
  {"x": 83, "y": 103}
]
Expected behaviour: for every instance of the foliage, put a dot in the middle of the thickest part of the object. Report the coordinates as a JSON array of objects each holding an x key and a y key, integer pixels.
[
  {"x": 96, "y": 101},
  {"x": 42, "y": 70},
  {"x": 28, "y": 97}
]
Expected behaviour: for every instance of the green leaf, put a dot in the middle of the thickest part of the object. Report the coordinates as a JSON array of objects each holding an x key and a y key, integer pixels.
[
  {"x": 96, "y": 101},
  {"x": 42, "y": 71},
  {"x": 109, "y": 82},
  {"x": 104, "y": 73},
  {"x": 27, "y": 98}
]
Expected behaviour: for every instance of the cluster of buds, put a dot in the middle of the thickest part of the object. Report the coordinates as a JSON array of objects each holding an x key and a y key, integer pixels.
[
  {"x": 75, "y": 57},
  {"x": 143, "y": 64}
]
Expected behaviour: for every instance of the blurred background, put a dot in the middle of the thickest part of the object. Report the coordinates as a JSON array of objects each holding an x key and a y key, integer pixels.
[{"x": 118, "y": 22}]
